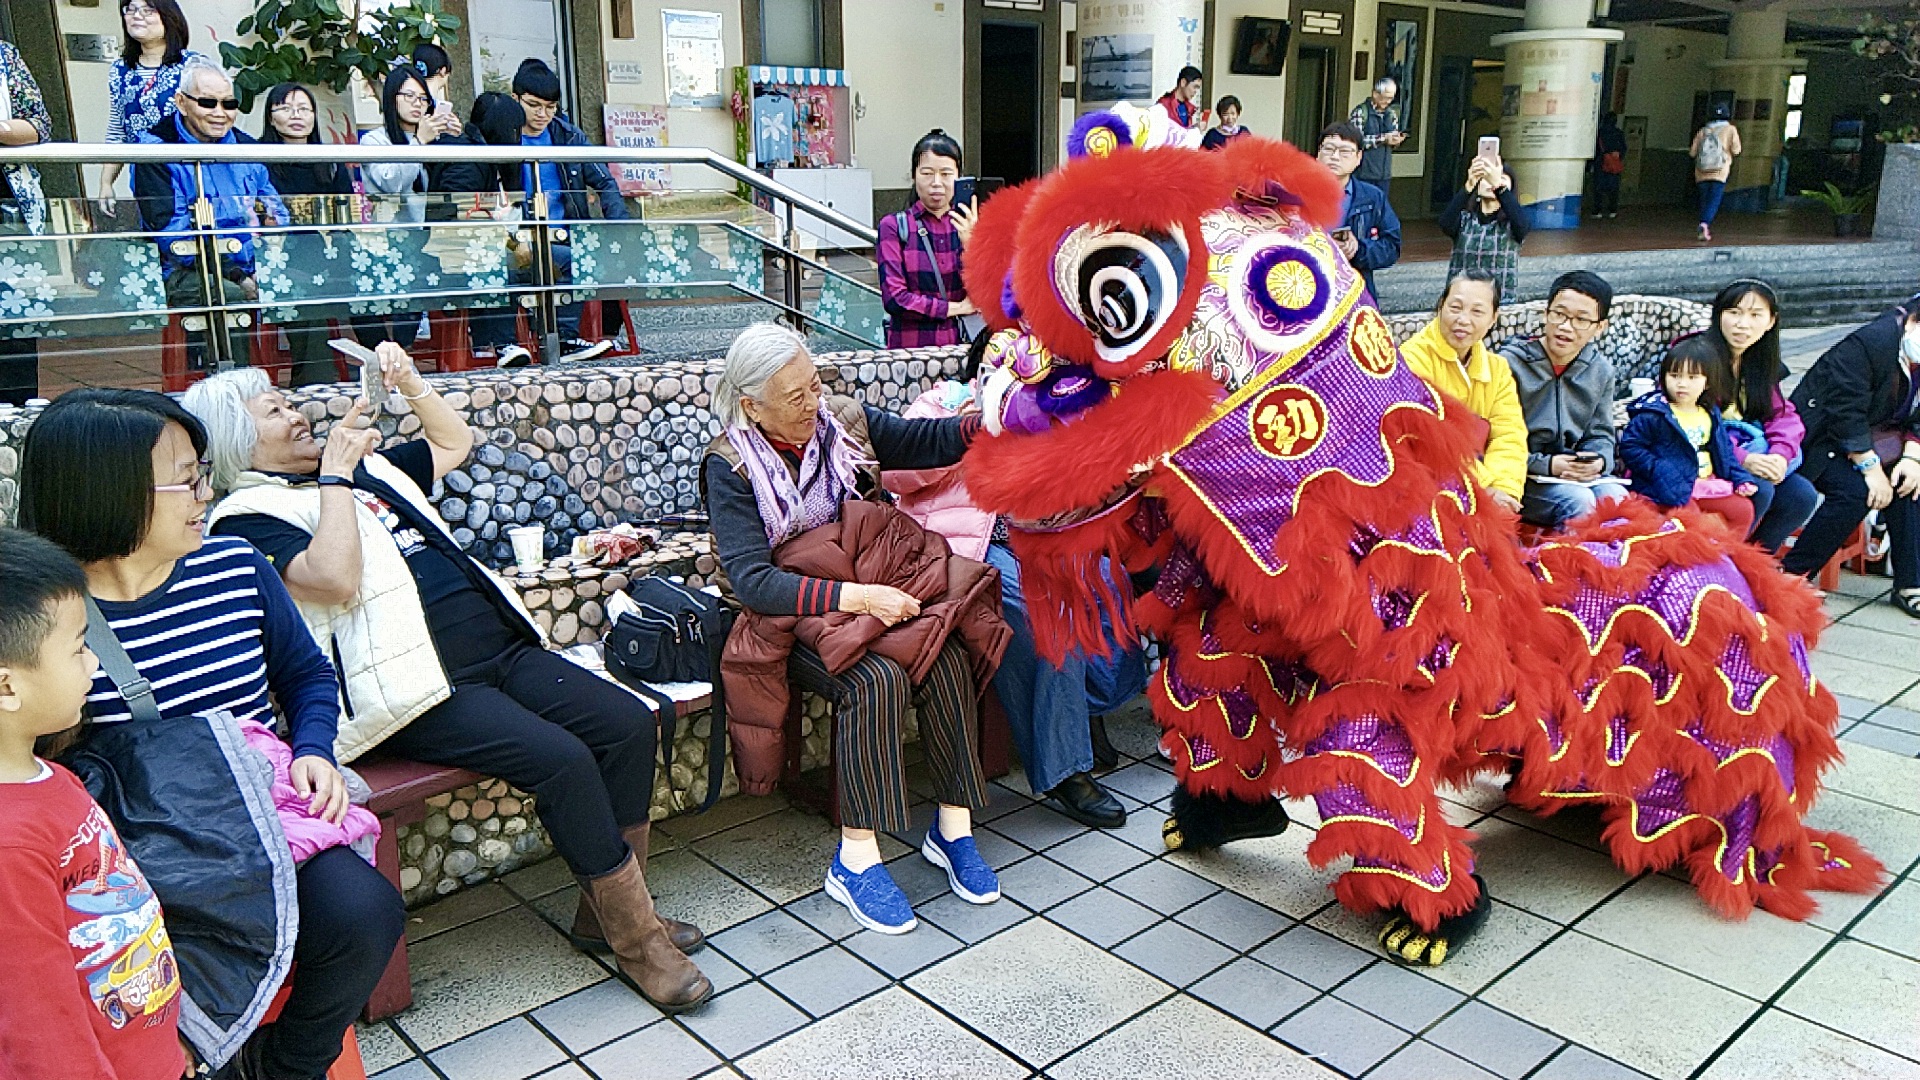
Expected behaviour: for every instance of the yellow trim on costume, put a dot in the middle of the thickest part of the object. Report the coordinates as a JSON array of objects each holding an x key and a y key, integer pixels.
[
  {"x": 1411, "y": 773},
  {"x": 1627, "y": 669},
  {"x": 1446, "y": 866},
  {"x": 1632, "y": 737},
  {"x": 1192, "y": 765},
  {"x": 1566, "y": 741},
  {"x": 1758, "y": 695},
  {"x": 1594, "y": 646},
  {"x": 1419, "y": 827}
]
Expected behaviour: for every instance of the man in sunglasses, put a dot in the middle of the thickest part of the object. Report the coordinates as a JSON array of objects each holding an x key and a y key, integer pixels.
[
  {"x": 241, "y": 195},
  {"x": 1566, "y": 394}
]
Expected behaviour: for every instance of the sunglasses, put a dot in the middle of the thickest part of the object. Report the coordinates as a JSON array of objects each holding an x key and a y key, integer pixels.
[{"x": 229, "y": 104}]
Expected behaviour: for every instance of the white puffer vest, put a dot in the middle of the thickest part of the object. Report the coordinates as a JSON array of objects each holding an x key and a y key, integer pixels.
[{"x": 389, "y": 669}]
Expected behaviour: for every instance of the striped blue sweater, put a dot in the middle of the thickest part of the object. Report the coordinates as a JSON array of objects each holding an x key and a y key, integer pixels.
[{"x": 222, "y": 633}]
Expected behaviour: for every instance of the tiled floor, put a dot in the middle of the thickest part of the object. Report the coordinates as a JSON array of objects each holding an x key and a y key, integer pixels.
[{"x": 1108, "y": 958}]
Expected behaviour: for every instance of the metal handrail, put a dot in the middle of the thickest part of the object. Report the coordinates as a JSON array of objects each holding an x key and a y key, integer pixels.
[{"x": 355, "y": 154}]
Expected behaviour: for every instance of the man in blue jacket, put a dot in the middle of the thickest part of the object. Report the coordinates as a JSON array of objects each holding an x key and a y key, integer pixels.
[
  {"x": 240, "y": 193},
  {"x": 1369, "y": 233}
]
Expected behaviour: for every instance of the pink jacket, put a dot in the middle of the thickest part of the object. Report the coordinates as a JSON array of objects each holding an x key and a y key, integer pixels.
[
  {"x": 938, "y": 498},
  {"x": 1785, "y": 431},
  {"x": 307, "y": 835}
]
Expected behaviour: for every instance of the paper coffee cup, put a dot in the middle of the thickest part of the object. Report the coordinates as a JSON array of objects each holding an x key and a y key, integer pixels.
[
  {"x": 1640, "y": 387},
  {"x": 529, "y": 546}
]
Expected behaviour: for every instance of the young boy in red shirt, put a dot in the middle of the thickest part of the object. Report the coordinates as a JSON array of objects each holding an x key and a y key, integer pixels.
[{"x": 90, "y": 988}]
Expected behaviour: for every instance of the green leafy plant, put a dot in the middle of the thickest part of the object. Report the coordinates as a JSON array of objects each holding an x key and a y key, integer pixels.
[
  {"x": 1905, "y": 133},
  {"x": 324, "y": 42},
  {"x": 1893, "y": 37},
  {"x": 1839, "y": 202}
]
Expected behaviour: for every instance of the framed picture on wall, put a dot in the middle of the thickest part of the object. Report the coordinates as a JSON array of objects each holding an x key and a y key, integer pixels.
[
  {"x": 1403, "y": 54},
  {"x": 1260, "y": 46}
]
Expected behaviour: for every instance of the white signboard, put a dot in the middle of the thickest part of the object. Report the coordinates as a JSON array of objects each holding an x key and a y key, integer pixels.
[{"x": 696, "y": 58}]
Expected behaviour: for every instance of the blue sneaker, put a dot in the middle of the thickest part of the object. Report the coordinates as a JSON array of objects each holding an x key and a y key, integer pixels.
[
  {"x": 871, "y": 897},
  {"x": 972, "y": 879}
]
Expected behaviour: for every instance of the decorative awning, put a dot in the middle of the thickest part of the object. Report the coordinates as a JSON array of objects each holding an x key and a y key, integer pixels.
[{"x": 797, "y": 76}]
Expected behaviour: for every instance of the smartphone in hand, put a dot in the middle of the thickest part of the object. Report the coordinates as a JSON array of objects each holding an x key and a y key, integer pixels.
[
  {"x": 1490, "y": 150},
  {"x": 963, "y": 191},
  {"x": 373, "y": 383}
]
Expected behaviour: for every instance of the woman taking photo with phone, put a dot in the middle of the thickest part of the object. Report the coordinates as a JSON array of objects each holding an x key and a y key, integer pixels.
[
  {"x": 919, "y": 252},
  {"x": 1486, "y": 222},
  {"x": 313, "y": 194},
  {"x": 408, "y": 118}
]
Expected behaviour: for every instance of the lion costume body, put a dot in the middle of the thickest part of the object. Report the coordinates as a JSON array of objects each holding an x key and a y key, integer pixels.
[{"x": 1188, "y": 376}]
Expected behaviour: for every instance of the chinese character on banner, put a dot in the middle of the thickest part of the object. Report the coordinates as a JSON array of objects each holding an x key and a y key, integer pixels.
[{"x": 638, "y": 126}]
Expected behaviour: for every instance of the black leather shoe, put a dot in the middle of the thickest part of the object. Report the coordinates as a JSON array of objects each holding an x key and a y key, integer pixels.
[
  {"x": 1081, "y": 798},
  {"x": 1104, "y": 755}
]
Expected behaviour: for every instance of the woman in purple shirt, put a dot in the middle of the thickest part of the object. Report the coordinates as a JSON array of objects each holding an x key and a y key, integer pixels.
[{"x": 919, "y": 252}]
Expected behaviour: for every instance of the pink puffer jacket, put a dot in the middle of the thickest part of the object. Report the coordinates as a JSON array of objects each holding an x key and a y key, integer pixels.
[
  {"x": 307, "y": 835},
  {"x": 938, "y": 498}
]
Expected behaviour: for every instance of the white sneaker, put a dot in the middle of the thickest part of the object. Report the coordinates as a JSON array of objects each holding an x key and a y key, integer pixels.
[
  {"x": 512, "y": 356},
  {"x": 580, "y": 349}
]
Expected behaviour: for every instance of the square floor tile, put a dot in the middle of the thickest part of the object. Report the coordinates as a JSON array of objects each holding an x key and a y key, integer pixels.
[
  {"x": 1163, "y": 886},
  {"x": 784, "y": 856},
  {"x": 919, "y": 879},
  {"x": 1885, "y": 618},
  {"x": 1103, "y": 917},
  {"x": 660, "y": 1052},
  {"x": 1143, "y": 782},
  {"x": 1037, "y": 827},
  {"x": 1174, "y": 953},
  {"x": 920, "y": 819},
  {"x": 1097, "y": 855},
  {"x": 1142, "y": 829},
  {"x": 763, "y": 943},
  {"x": 1253, "y": 992},
  {"x": 1234, "y": 920},
  {"x": 569, "y": 1071},
  {"x": 1181, "y": 1039},
  {"x": 825, "y": 914},
  {"x": 1341, "y": 1035},
  {"x": 1546, "y": 876},
  {"x": 510, "y": 1051},
  {"x": 412, "y": 1070},
  {"x": 485, "y": 972},
  {"x": 1779, "y": 1045},
  {"x": 1039, "y": 882},
  {"x": 380, "y": 1046},
  {"x": 1425, "y": 1061},
  {"x": 1887, "y": 778},
  {"x": 1578, "y": 825},
  {"x": 1272, "y": 870},
  {"x": 997, "y": 850},
  {"x": 543, "y": 877},
  {"x": 1001, "y": 801},
  {"x": 1314, "y": 958},
  {"x": 1620, "y": 1004},
  {"x": 1664, "y": 920},
  {"x": 1868, "y": 733},
  {"x": 1855, "y": 708},
  {"x": 900, "y": 955},
  {"x": 689, "y": 888},
  {"x": 1866, "y": 992},
  {"x": 971, "y": 922},
  {"x": 461, "y": 908},
  {"x": 826, "y": 981},
  {"x": 1038, "y": 991},
  {"x": 1509, "y": 935},
  {"x": 597, "y": 1015},
  {"x": 1580, "y": 1063},
  {"x": 1891, "y": 835},
  {"x": 724, "y": 815},
  {"x": 742, "y": 1019},
  {"x": 1400, "y": 996},
  {"x": 891, "y": 1034},
  {"x": 1894, "y": 716},
  {"x": 1859, "y": 676},
  {"x": 723, "y": 973},
  {"x": 1490, "y": 1038},
  {"x": 1894, "y": 923}
]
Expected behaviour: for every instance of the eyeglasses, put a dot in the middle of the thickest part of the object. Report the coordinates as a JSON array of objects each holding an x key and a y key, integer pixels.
[
  {"x": 1335, "y": 148},
  {"x": 535, "y": 105},
  {"x": 1578, "y": 322},
  {"x": 201, "y": 484},
  {"x": 292, "y": 110},
  {"x": 414, "y": 96},
  {"x": 228, "y": 104},
  {"x": 138, "y": 9}
]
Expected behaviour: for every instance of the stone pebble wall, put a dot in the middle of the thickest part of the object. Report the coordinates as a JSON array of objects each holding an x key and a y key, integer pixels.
[{"x": 572, "y": 448}]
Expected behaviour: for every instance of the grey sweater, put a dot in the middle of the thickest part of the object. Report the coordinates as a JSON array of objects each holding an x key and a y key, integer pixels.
[{"x": 1568, "y": 412}]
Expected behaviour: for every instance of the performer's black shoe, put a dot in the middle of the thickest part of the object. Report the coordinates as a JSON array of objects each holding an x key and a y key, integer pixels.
[
  {"x": 1204, "y": 822},
  {"x": 1082, "y": 798},
  {"x": 1407, "y": 944},
  {"x": 1104, "y": 755}
]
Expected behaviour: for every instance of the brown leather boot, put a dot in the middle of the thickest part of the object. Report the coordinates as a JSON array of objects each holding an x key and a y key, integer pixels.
[
  {"x": 586, "y": 934},
  {"x": 624, "y": 910}
]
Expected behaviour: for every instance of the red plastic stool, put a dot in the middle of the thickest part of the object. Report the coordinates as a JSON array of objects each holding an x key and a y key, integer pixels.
[
  {"x": 593, "y": 325},
  {"x": 175, "y": 375}
]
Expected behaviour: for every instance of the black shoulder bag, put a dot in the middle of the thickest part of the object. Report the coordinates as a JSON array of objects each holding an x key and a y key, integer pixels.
[{"x": 676, "y": 636}]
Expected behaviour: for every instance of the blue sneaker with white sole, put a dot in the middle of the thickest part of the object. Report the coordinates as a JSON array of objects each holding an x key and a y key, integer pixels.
[
  {"x": 972, "y": 879},
  {"x": 871, "y": 897}
]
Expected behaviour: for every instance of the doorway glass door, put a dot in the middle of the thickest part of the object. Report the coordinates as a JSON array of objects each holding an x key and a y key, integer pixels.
[
  {"x": 1311, "y": 97},
  {"x": 505, "y": 32},
  {"x": 1009, "y": 102}
]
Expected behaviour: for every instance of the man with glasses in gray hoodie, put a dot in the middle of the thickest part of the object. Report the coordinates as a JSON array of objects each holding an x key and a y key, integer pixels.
[{"x": 1566, "y": 394}]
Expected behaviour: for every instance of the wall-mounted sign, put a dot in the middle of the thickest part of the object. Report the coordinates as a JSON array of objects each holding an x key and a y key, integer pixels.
[
  {"x": 625, "y": 71},
  {"x": 1320, "y": 22},
  {"x": 696, "y": 53},
  {"x": 93, "y": 48},
  {"x": 638, "y": 126}
]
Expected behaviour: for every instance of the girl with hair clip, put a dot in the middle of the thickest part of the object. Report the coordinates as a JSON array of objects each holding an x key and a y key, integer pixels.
[
  {"x": 1765, "y": 429},
  {"x": 919, "y": 252},
  {"x": 1675, "y": 448}
]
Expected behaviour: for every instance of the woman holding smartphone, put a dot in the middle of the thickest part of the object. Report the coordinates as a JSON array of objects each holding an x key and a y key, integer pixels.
[
  {"x": 919, "y": 252},
  {"x": 312, "y": 194},
  {"x": 1485, "y": 221},
  {"x": 408, "y": 118}
]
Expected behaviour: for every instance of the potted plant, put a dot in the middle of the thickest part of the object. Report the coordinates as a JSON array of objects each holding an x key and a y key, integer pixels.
[
  {"x": 325, "y": 43},
  {"x": 1845, "y": 208}
]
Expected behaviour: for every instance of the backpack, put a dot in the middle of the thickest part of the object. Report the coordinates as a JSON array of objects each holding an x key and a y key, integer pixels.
[
  {"x": 1713, "y": 153},
  {"x": 676, "y": 636}
]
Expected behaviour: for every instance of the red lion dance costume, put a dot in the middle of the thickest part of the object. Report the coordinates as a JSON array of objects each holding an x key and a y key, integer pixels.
[{"x": 1187, "y": 375}]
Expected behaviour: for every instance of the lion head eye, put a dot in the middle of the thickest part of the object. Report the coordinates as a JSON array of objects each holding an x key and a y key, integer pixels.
[{"x": 1125, "y": 284}]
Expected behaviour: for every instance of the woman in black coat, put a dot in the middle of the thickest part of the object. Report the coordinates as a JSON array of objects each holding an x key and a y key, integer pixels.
[
  {"x": 314, "y": 194},
  {"x": 1863, "y": 447}
]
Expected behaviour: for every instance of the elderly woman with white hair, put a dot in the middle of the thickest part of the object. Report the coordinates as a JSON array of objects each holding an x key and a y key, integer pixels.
[
  {"x": 439, "y": 660},
  {"x": 787, "y": 459}
]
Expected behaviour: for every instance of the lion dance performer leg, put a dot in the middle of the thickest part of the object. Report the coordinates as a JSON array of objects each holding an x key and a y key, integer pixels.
[{"x": 1188, "y": 377}]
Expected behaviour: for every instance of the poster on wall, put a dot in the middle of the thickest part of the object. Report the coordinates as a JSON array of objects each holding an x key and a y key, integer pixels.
[
  {"x": 1550, "y": 103},
  {"x": 1116, "y": 67},
  {"x": 1131, "y": 50},
  {"x": 639, "y": 126},
  {"x": 696, "y": 55}
]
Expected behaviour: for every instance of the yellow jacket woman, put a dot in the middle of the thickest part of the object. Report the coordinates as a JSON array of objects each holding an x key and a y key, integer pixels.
[{"x": 1450, "y": 355}]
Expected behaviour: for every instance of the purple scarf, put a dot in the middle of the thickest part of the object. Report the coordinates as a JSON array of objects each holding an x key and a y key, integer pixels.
[{"x": 827, "y": 477}]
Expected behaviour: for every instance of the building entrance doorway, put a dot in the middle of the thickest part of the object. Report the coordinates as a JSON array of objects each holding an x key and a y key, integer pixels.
[
  {"x": 1312, "y": 104},
  {"x": 1009, "y": 107}
]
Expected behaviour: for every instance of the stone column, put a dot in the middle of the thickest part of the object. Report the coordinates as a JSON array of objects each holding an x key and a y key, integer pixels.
[
  {"x": 1756, "y": 72},
  {"x": 1551, "y": 111}
]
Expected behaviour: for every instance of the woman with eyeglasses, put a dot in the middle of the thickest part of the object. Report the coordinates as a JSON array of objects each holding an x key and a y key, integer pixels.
[
  {"x": 119, "y": 478},
  {"x": 23, "y": 122},
  {"x": 143, "y": 82},
  {"x": 409, "y": 117},
  {"x": 313, "y": 193}
]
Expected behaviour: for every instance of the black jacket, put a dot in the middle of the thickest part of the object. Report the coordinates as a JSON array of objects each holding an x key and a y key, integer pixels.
[
  {"x": 1856, "y": 388},
  {"x": 577, "y": 178}
]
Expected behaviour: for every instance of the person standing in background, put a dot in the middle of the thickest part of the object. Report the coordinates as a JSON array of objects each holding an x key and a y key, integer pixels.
[
  {"x": 436, "y": 67},
  {"x": 313, "y": 195},
  {"x": 1369, "y": 232},
  {"x": 23, "y": 122},
  {"x": 144, "y": 83},
  {"x": 1713, "y": 150},
  {"x": 1609, "y": 161},
  {"x": 1378, "y": 121},
  {"x": 1487, "y": 224},
  {"x": 919, "y": 252},
  {"x": 1182, "y": 103},
  {"x": 1228, "y": 129}
]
